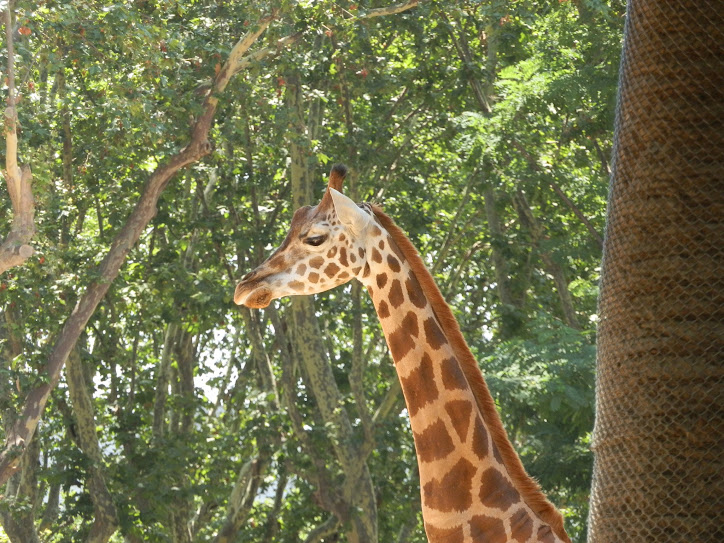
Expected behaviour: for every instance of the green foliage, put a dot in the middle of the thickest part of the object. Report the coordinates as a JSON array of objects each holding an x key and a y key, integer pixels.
[{"x": 109, "y": 93}]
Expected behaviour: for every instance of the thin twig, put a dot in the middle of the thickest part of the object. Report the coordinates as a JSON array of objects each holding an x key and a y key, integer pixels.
[{"x": 390, "y": 10}]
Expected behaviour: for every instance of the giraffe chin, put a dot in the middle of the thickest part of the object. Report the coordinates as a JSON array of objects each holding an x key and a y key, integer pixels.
[{"x": 259, "y": 298}]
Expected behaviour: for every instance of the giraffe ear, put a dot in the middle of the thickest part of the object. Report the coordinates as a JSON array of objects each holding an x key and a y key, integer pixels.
[{"x": 351, "y": 216}]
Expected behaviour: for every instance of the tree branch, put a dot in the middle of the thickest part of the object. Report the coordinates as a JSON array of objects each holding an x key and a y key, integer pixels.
[
  {"x": 466, "y": 57},
  {"x": 390, "y": 10},
  {"x": 389, "y": 401},
  {"x": 261, "y": 54},
  {"x": 562, "y": 195},
  {"x": 326, "y": 529},
  {"x": 242, "y": 497},
  {"x": 552, "y": 267},
  {"x": 105, "y": 522},
  {"x": 232, "y": 64},
  {"x": 15, "y": 249},
  {"x": 318, "y": 470},
  {"x": 448, "y": 241}
]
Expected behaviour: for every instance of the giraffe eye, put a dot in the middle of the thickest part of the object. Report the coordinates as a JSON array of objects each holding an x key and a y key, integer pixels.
[{"x": 315, "y": 241}]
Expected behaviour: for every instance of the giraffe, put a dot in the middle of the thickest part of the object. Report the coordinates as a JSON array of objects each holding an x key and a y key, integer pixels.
[{"x": 473, "y": 485}]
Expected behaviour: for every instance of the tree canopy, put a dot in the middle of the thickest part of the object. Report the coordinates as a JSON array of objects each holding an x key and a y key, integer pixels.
[{"x": 169, "y": 143}]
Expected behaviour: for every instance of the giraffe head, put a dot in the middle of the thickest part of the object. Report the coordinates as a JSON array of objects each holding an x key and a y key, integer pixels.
[{"x": 323, "y": 249}]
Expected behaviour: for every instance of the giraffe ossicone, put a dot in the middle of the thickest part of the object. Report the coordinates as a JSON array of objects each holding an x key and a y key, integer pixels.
[{"x": 473, "y": 486}]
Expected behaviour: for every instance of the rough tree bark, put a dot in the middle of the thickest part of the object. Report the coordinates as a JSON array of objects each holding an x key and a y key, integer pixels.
[{"x": 659, "y": 425}]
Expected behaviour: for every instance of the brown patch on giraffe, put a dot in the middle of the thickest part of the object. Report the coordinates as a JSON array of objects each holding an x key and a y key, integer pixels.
[
  {"x": 459, "y": 413},
  {"x": 296, "y": 285},
  {"x": 480, "y": 439},
  {"x": 376, "y": 231},
  {"x": 313, "y": 277},
  {"x": 396, "y": 297},
  {"x": 332, "y": 252},
  {"x": 342, "y": 237},
  {"x": 356, "y": 270},
  {"x": 316, "y": 262},
  {"x": 376, "y": 256},
  {"x": 301, "y": 269},
  {"x": 452, "y": 376},
  {"x": 414, "y": 291},
  {"x": 396, "y": 249},
  {"x": 545, "y": 535},
  {"x": 382, "y": 244},
  {"x": 496, "y": 453},
  {"x": 496, "y": 491},
  {"x": 434, "y": 442},
  {"x": 366, "y": 271},
  {"x": 401, "y": 341},
  {"x": 393, "y": 263},
  {"x": 343, "y": 257},
  {"x": 331, "y": 269},
  {"x": 383, "y": 310},
  {"x": 361, "y": 252},
  {"x": 352, "y": 258},
  {"x": 419, "y": 387},
  {"x": 492, "y": 529},
  {"x": 437, "y": 494},
  {"x": 433, "y": 334},
  {"x": 277, "y": 262},
  {"x": 381, "y": 280},
  {"x": 448, "y": 535},
  {"x": 521, "y": 526},
  {"x": 342, "y": 276}
]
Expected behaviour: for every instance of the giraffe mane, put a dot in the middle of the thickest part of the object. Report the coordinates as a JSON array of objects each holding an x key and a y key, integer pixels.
[{"x": 527, "y": 486}]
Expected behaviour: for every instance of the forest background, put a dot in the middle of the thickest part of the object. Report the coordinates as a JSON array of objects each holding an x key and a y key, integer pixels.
[{"x": 170, "y": 142}]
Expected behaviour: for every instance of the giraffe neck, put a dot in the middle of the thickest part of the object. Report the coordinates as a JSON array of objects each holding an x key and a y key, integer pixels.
[{"x": 468, "y": 493}]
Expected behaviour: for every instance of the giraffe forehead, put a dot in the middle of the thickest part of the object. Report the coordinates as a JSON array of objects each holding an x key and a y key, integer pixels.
[
  {"x": 301, "y": 217},
  {"x": 307, "y": 221}
]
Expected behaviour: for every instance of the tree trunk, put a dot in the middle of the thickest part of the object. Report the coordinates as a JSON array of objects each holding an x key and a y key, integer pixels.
[
  {"x": 19, "y": 524},
  {"x": 660, "y": 386},
  {"x": 242, "y": 497},
  {"x": 510, "y": 319},
  {"x": 21, "y": 494},
  {"x": 549, "y": 264},
  {"x": 15, "y": 249},
  {"x": 358, "y": 490},
  {"x": 105, "y": 522}
]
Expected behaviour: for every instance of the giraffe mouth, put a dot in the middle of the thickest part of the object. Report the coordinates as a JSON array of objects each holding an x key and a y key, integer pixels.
[
  {"x": 258, "y": 299},
  {"x": 255, "y": 298}
]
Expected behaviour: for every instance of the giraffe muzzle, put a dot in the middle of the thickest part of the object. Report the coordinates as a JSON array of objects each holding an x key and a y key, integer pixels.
[
  {"x": 252, "y": 291},
  {"x": 253, "y": 296},
  {"x": 259, "y": 298}
]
